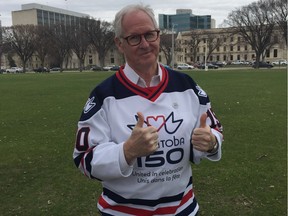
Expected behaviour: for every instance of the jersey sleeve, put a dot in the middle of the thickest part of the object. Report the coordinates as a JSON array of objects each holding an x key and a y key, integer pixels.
[
  {"x": 212, "y": 121},
  {"x": 95, "y": 154}
]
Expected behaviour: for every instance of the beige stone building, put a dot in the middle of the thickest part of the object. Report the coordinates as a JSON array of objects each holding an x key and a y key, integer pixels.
[
  {"x": 37, "y": 14},
  {"x": 230, "y": 48},
  {"x": 227, "y": 47}
]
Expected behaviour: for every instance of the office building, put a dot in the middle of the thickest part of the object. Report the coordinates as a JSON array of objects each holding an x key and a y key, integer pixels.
[
  {"x": 37, "y": 14},
  {"x": 185, "y": 20}
]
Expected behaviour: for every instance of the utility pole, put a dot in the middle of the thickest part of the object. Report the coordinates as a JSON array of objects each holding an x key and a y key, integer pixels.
[
  {"x": 205, "y": 60},
  {"x": 0, "y": 44},
  {"x": 173, "y": 45}
]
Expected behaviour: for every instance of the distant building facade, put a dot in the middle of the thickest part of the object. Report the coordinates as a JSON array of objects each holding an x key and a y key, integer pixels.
[
  {"x": 231, "y": 48},
  {"x": 37, "y": 14},
  {"x": 184, "y": 20}
]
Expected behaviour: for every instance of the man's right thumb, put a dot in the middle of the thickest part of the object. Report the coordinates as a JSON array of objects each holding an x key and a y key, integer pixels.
[
  {"x": 203, "y": 120},
  {"x": 140, "y": 121}
]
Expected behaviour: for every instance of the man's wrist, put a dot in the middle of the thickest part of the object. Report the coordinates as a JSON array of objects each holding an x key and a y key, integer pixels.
[{"x": 214, "y": 148}]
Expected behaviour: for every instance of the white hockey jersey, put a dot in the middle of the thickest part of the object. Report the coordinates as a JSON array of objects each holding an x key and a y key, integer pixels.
[{"x": 158, "y": 184}]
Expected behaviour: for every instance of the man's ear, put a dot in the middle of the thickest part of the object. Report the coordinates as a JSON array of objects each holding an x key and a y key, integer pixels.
[{"x": 119, "y": 44}]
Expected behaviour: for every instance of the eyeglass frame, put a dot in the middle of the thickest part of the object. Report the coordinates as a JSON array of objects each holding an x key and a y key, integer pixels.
[{"x": 140, "y": 35}]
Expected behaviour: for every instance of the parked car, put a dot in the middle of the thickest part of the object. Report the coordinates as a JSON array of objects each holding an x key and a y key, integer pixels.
[
  {"x": 55, "y": 69},
  {"x": 184, "y": 66},
  {"x": 42, "y": 69},
  {"x": 108, "y": 67},
  {"x": 96, "y": 68},
  {"x": 209, "y": 66},
  {"x": 14, "y": 70},
  {"x": 280, "y": 62},
  {"x": 115, "y": 68},
  {"x": 262, "y": 65},
  {"x": 219, "y": 64},
  {"x": 237, "y": 62}
]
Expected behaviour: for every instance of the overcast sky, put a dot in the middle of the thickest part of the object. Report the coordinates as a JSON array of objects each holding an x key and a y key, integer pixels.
[{"x": 105, "y": 10}]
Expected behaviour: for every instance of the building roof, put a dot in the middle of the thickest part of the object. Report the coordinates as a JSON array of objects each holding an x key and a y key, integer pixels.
[{"x": 52, "y": 9}]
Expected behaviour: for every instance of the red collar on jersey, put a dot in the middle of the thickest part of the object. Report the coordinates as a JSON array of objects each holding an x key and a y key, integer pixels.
[{"x": 148, "y": 93}]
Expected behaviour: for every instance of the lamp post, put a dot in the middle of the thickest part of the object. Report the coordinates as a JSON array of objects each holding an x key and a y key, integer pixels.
[
  {"x": 173, "y": 45},
  {"x": 205, "y": 58},
  {"x": 0, "y": 44}
]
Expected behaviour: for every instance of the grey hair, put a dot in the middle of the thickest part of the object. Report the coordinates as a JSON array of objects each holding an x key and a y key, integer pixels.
[{"x": 130, "y": 8}]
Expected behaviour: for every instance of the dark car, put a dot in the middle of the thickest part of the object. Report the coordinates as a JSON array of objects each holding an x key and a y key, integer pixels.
[
  {"x": 96, "y": 68},
  {"x": 115, "y": 68},
  {"x": 209, "y": 66},
  {"x": 41, "y": 69},
  {"x": 262, "y": 65},
  {"x": 219, "y": 64}
]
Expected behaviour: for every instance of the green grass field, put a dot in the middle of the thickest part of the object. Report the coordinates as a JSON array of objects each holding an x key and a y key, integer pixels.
[{"x": 38, "y": 118}]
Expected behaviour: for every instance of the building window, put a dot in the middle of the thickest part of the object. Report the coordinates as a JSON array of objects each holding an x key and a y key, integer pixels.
[
  {"x": 90, "y": 59},
  {"x": 275, "y": 53},
  {"x": 246, "y": 48},
  {"x": 231, "y": 57},
  {"x": 224, "y": 48},
  {"x": 238, "y": 48},
  {"x": 238, "y": 57},
  {"x": 231, "y": 39},
  {"x": 225, "y": 58},
  {"x": 231, "y": 48},
  {"x": 267, "y": 53},
  {"x": 245, "y": 57},
  {"x": 218, "y": 58}
]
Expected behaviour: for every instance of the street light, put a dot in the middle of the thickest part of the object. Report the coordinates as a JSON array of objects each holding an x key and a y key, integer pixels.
[
  {"x": 173, "y": 44},
  {"x": 0, "y": 44},
  {"x": 205, "y": 61}
]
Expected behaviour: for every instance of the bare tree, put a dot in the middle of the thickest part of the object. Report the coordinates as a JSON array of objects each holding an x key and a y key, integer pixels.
[
  {"x": 214, "y": 41},
  {"x": 42, "y": 43},
  {"x": 101, "y": 36},
  {"x": 252, "y": 23},
  {"x": 22, "y": 41},
  {"x": 80, "y": 41},
  {"x": 61, "y": 40},
  {"x": 166, "y": 47},
  {"x": 196, "y": 38},
  {"x": 279, "y": 10}
]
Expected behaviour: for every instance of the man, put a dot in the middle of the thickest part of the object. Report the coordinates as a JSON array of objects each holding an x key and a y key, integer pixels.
[{"x": 141, "y": 127}]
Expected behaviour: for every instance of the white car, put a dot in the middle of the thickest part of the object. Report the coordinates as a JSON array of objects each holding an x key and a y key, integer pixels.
[
  {"x": 14, "y": 70},
  {"x": 237, "y": 62},
  {"x": 280, "y": 62},
  {"x": 184, "y": 66},
  {"x": 107, "y": 68}
]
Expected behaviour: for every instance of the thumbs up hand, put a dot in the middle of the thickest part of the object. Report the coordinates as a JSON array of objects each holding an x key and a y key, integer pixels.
[
  {"x": 202, "y": 137},
  {"x": 143, "y": 141}
]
